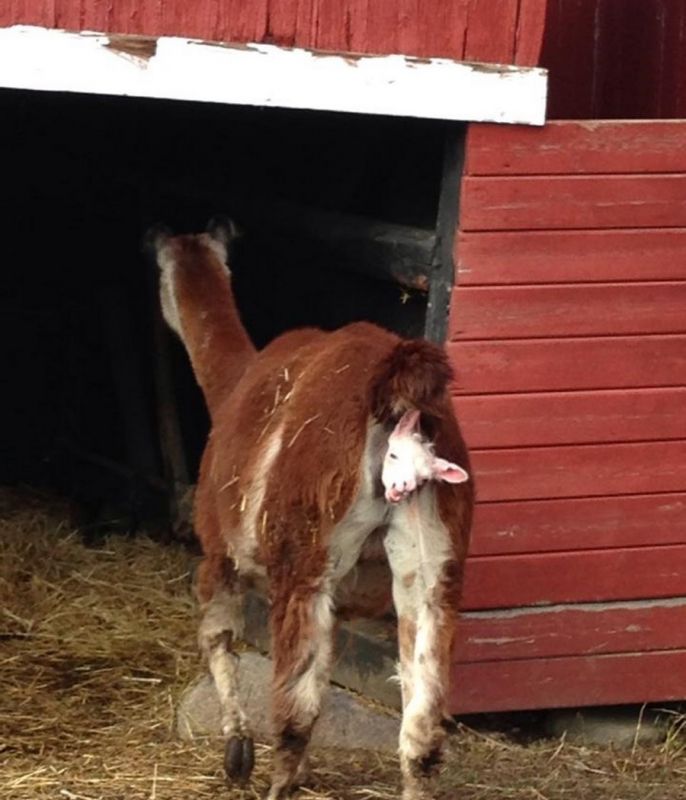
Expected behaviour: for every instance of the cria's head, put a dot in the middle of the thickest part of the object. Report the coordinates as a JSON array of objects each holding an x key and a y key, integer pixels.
[{"x": 410, "y": 461}]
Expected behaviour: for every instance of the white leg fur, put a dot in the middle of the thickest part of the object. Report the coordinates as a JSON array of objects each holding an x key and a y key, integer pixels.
[
  {"x": 304, "y": 697},
  {"x": 308, "y": 689},
  {"x": 221, "y": 625},
  {"x": 418, "y": 547}
]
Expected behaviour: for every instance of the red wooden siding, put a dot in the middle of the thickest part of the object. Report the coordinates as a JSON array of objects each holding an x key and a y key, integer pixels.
[
  {"x": 593, "y": 680},
  {"x": 581, "y": 471},
  {"x": 579, "y": 523},
  {"x": 505, "y": 31},
  {"x": 568, "y": 256},
  {"x": 562, "y": 418},
  {"x": 592, "y": 148},
  {"x": 529, "y": 365},
  {"x": 567, "y": 630},
  {"x": 619, "y": 59},
  {"x": 578, "y": 576},
  {"x": 580, "y": 201},
  {"x": 522, "y": 312},
  {"x": 568, "y": 337}
]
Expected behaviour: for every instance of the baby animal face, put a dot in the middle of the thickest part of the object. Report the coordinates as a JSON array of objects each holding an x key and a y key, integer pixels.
[{"x": 410, "y": 461}]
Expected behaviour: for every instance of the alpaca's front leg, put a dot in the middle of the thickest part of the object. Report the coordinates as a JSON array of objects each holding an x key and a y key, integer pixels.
[
  {"x": 421, "y": 558},
  {"x": 302, "y": 618}
]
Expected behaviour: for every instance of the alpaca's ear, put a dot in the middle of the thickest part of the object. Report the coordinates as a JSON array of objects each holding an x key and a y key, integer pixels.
[
  {"x": 223, "y": 229},
  {"x": 155, "y": 238},
  {"x": 407, "y": 424},
  {"x": 442, "y": 470}
]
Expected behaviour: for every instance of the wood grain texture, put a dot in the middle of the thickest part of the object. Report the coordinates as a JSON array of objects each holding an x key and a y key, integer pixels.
[
  {"x": 531, "y": 24},
  {"x": 550, "y": 525},
  {"x": 532, "y": 257},
  {"x": 432, "y": 28},
  {"x": 559, "y": 418},
  {"x": 580, "y": 471},
  {"x": 532, "y": 365},
  {"x": 563, "y": 202},
  {"x": 522, "y": 312},
  {"x": 587, "y": 44},
  {"x": 572, "y": 630},
  {"x": 569, "y": 40},
  {"x": 492, "y": 29},
  {"x": 577, "y": 148},
  {"x": 568, "y": 682},
  {"x": 583, "y": 576}
]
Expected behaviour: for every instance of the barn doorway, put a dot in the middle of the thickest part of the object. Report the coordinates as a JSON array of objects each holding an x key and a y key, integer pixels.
[{"x": 339, "y": 214}]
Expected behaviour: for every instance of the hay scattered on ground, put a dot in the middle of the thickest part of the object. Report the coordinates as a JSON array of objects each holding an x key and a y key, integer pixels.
[{"x": 96, "y": 644}]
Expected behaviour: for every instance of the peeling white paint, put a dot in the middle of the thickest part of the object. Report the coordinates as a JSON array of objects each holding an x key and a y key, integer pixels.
[
  {"x": 266, "y": 75},
  {"x": 589, "y": 608}
]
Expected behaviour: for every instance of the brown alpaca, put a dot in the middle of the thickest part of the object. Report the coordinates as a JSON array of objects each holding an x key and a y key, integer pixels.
[{"x": 291, "y": 492}]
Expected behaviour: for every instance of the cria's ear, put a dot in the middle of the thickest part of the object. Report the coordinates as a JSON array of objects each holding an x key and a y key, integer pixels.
[
  {"x": 223, "y": 229},
  {"x": 442, "y": 470},
  {"x": 154, "y": 238},
  {"x": 407, "y": 424}
]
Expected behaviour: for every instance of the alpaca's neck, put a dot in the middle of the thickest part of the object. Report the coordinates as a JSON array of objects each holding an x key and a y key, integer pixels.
[{"x": 211, "y": 328}]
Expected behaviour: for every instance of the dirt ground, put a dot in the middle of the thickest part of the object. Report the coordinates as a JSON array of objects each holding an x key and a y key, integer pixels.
[{"x": 96, "y": 644}]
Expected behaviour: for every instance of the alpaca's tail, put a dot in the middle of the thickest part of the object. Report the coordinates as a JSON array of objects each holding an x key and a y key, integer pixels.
[{"x": 414, "y": 375}]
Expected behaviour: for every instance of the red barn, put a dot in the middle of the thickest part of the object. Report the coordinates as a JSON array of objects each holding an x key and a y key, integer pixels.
[{"x": 567, "y": 316}]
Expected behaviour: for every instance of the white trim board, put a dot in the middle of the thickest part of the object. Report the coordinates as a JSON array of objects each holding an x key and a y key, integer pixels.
[{"x": 266, "y": 75}]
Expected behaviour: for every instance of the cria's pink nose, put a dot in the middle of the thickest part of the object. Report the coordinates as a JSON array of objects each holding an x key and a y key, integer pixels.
[{"x": 393, "y": 495}]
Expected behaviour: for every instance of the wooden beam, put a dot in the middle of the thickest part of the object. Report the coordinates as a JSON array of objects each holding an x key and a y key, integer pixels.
[
  {"x": 186, "y": 69},
  {"x": 382, "y": 250},
  {"x": 442, "y": 277}
]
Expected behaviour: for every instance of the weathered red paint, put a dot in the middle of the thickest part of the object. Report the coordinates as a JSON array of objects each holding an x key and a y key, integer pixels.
[
  {"x": 584, "y": 148},
  {"x": 578, "y": 523},
  {"x": 620, "y": 59},
  {"x": 587, "y": 629},
  {"x": 504, "y": 31},
  {"x": 585, "y": 417},
  {"x": 568, "y": 682},
  {"x": 569, "y": 341},
  {"x": 574, "y": 256},
  {"x": 587, "y": 576},
  {"x": 525, "y": 312},
  {"x": 580, "y": 201}
]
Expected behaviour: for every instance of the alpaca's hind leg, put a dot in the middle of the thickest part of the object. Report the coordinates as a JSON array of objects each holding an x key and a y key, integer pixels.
[
  {"x": 426, "y": 579},
  {"x": 302, "y": 644},
  {"x": 221, "y": 625}
]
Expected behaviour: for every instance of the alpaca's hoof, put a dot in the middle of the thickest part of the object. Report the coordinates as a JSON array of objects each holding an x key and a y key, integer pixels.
[{"x": 239, "y": 758}]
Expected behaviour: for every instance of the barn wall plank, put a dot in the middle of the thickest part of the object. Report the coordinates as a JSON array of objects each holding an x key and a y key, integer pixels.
[
  {"x": 331, "y": 32},
  {"x": 531, "y": 365},
  {"x": 485, "y": 258},
  {"x": 486, "y": 41},
  {"x": 567, "y": 310},
  {"x": 587, "y": 44},
  {"x": 540, "y": 526},
  {"x": 569, "y": 39},
  {"x": 563, "y": 202},
  {"x": 580, "y": 471},
  {"x": 583, "y": 576},
  {"x": 577, "y": 148},
  {"x": 530, "y": 32},
  {"x": 66, "y": 13},
  {"x": 572, "y": 630},
  {"x": 559, "y": 418},
  {"x": 432, "y": 28},
  {"x": 568, "y": 682}
]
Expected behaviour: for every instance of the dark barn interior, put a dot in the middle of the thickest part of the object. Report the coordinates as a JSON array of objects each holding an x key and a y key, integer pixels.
[{"x": 328, "y": 205}]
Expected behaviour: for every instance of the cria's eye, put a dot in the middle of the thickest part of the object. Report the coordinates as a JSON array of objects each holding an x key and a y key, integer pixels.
[{"x": 393, "y": 456}]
